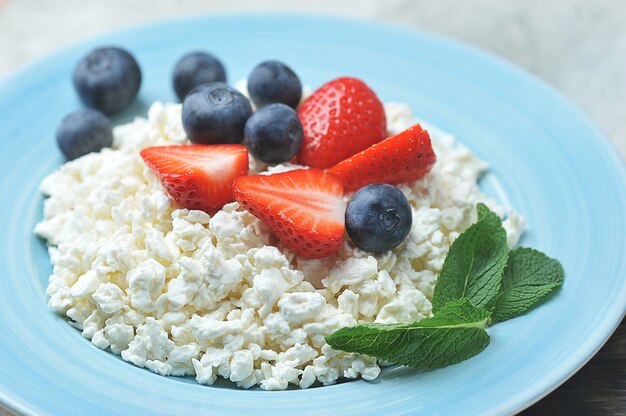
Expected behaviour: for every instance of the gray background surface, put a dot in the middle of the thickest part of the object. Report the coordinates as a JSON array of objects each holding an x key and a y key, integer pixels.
[{"x": 578, "y": 46}]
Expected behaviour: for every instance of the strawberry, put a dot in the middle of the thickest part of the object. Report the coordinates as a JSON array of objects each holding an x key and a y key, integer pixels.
[
  {"x": 340, "y": 119},
  {"x": 303, "y": 207},
  {"x": 198, "y": 176},
  {"x": 407, "y": 156}
]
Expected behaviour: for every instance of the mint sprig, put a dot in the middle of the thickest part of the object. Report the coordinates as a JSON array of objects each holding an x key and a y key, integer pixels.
[
  {"x": 455, "y": 334},
  {"x": 481, "y": 282}
]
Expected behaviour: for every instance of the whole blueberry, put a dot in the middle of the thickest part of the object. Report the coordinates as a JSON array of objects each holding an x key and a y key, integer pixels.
[
  {"x": 274, "y": 133},
  {"x": 378, "y": 218},
  {"x": 215, "y": 113},
  {"x": 274, "y": 82},
  {"x": 107, "y": 79},
  {"x": 83, "y": 132},
  {"x": 195, "y": 69}
]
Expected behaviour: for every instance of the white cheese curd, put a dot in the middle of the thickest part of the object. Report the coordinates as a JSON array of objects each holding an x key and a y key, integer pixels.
[{"x": 184, "y": 293}]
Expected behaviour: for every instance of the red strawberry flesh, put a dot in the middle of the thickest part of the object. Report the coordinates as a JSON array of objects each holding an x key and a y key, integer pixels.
[
  {"x": 405, "y": 157},
  {"x": 341, "y": 118},
  {"x": 304, "y": 208},
  {"x": 198, "y": 176}
]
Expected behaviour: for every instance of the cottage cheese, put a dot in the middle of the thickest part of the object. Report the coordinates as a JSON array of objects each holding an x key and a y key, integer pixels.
[{"x": 184, "y": 293}]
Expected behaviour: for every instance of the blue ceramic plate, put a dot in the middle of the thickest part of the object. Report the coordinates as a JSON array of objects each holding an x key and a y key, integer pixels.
[{"x": 552, "y": 165}]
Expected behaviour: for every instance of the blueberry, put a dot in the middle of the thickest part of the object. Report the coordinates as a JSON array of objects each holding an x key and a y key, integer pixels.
[
  {"x": 274, "y": 82},
  {"x": 274, "y": 133},
  {"x": 107, "y": 79},
  {"x": 215, "y": 113},
  {"x": 83, "y": 132},
  {"x": 378, "y": 218},
  {"x": 195, "y": 69}
]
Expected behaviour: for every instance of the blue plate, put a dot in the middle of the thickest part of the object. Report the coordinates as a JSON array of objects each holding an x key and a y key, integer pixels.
[{"x": 552, "y": 165}]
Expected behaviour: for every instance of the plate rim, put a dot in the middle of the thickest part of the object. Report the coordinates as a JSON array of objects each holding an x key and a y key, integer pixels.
[{"x": 618, "y": 164}]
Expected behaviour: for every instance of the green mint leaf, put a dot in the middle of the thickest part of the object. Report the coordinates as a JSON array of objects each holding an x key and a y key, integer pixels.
[
  {"x": 455, "y": 334},
  {"x": 482, "y": 211},
  {"x": 528, "y": 278},
  {"x": 474, "y": 265}
]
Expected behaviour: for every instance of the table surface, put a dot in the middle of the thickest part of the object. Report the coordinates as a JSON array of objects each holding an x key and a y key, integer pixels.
[{"x": 578, "y": 46}]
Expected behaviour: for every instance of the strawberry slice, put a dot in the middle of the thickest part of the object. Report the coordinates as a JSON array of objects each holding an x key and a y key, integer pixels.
[
  {"x": 303, "y": 207},
  {"x": 198, "y": 176},
  {"x": 340, "y": 119},
  {"x": 407, "y": 156}
]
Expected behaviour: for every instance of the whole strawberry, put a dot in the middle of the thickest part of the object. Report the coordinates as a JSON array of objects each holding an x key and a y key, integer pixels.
[{"x": 341, "y": 118}]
